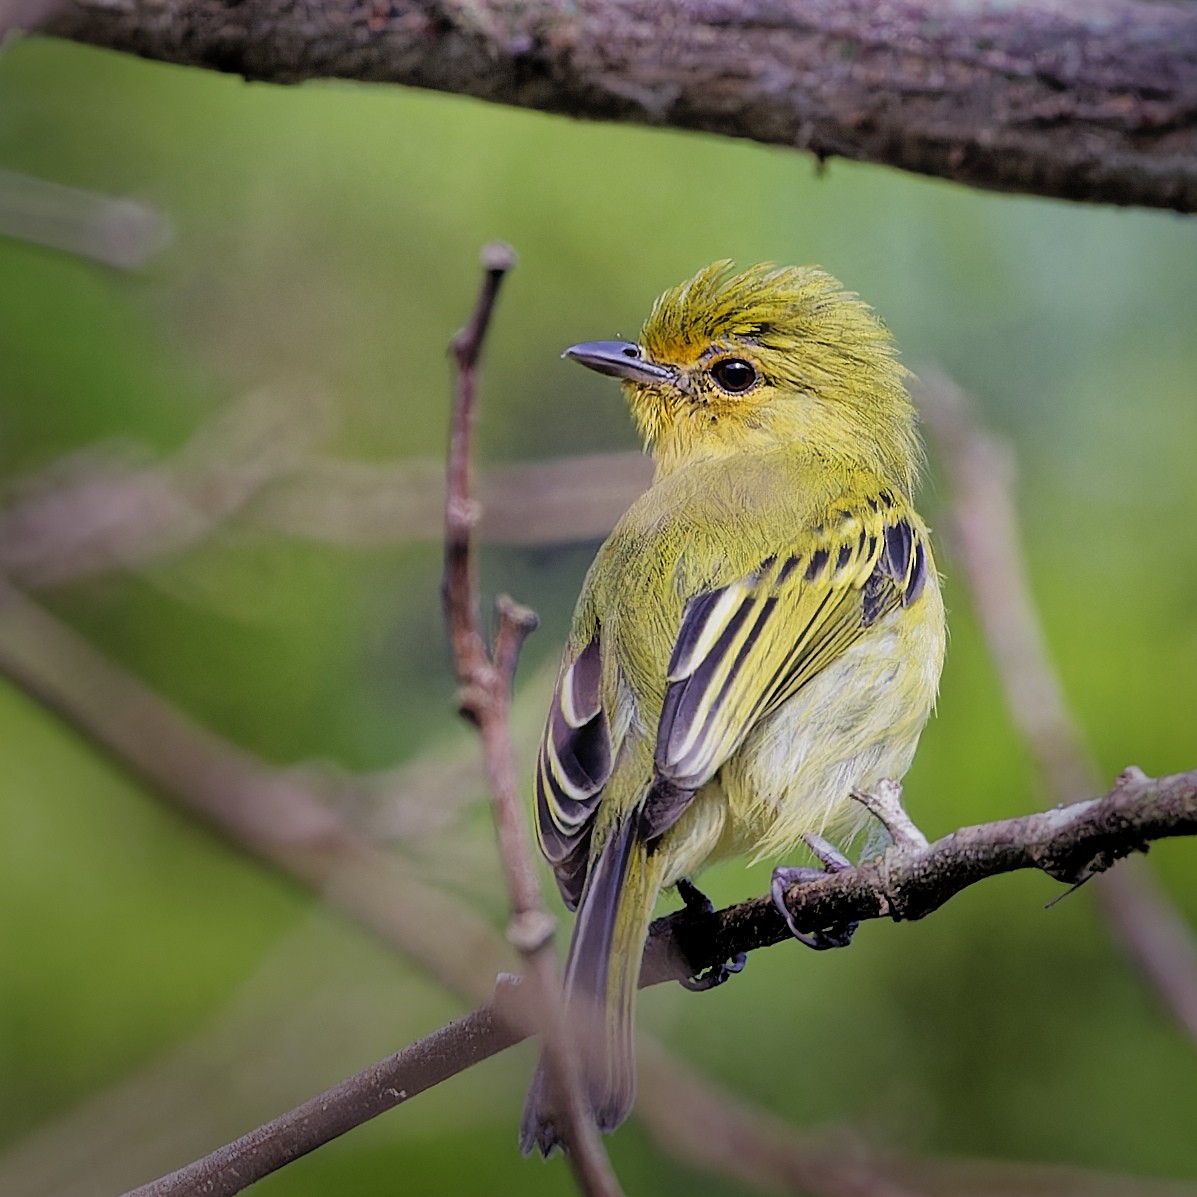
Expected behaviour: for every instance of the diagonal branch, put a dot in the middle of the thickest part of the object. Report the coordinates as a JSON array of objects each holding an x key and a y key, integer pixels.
[
  {"x": 1080, "y": 99},
  {"x": 985, "y": 535},
  {"x": 230, "y": 1169}
]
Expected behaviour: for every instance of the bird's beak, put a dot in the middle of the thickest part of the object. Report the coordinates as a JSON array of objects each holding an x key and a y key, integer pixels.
[{"x": 620, "y": 359}]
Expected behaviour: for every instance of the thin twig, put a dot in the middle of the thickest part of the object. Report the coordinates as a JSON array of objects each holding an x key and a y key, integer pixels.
[
  {"x": 486, "y": 679},
  {"x": 984, "y": 525}
]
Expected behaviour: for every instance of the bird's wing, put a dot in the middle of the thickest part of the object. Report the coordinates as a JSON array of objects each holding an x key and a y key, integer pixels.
[
  {"x": 573, "y": 766},
  {"x": 746, "y": 647}
]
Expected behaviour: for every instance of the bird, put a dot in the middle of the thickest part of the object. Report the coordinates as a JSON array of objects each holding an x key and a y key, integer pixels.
[{"x": 761, "y": 634}]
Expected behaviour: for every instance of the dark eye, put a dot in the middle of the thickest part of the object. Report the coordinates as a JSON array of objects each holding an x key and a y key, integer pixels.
[{"x": 734, "y": 375}]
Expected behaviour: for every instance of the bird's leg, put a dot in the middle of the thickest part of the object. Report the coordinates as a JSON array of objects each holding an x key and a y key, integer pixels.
[
  {"x": 885, "y": 805},
  {"x": 833, "y": 861},
  {"x": 699, "y": 903}
]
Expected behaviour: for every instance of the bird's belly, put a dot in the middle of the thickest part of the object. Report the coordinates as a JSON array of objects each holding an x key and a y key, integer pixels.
[{"x": 853, "y": 724}]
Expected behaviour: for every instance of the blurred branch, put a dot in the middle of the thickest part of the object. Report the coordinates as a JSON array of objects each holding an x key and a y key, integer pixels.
[
  {"x": 104, "y": 508},
  {"x": 268, "y": 813},
  {"x": 111, "y": 230},
  {"x": 568, "y": 500},
  {"x": 702, "y": 1124},
  {"x": 95, "y": 513},
  {"x": 486, "y": 677},
  {"x": 985, "y": 535},
  {"x": 1090, "y": 100}
]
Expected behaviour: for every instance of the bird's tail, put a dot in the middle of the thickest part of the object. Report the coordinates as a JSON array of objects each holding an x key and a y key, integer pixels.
[{"x": 601, "y": 976}]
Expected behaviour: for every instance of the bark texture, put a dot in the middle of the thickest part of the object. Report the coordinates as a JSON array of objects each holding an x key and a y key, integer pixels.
[{"x": 1080, "y": 99}]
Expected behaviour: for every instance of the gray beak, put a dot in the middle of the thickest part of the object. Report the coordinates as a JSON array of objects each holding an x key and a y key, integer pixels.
[{"x": 620, "y": 359}]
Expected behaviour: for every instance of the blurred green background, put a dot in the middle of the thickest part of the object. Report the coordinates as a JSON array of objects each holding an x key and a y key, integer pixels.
[{"x": 160, "y": 993}]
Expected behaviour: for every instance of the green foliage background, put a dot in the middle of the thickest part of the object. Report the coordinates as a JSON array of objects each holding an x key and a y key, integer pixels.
[{"x": 326, "y": 238}]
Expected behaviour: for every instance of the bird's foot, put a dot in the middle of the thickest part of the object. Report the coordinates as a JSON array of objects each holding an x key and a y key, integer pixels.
[
  {"x": 884, "y": 803},
  {"x": 709, "y": 978},
  {"x": 785, "y": 877}
]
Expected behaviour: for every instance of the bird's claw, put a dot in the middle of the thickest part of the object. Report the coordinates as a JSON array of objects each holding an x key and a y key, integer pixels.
[
  {"x": 714, "y": 976},
  {"x": 709, "y": 978},
  {"x": 787, "y": 876}
]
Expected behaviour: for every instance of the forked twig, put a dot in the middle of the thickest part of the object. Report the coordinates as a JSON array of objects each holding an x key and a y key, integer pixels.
[{"x": 486, "y": 677}]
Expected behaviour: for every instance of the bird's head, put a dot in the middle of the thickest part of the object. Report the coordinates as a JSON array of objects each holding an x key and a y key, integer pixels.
[{"x": 739, "y": 362}]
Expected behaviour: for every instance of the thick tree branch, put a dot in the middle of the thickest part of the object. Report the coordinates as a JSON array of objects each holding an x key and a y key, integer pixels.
[{"x": 1080, "y": 99}]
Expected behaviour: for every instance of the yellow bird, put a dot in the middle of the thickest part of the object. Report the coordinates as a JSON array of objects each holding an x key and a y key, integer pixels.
[{"x": 761, "y": 634}]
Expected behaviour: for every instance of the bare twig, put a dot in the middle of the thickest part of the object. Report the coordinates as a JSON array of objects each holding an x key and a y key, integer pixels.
[
  {"x": 1079, "y": 99},
  {"x": 984, "y": 526},
  {"x": 485, "y": 698}
]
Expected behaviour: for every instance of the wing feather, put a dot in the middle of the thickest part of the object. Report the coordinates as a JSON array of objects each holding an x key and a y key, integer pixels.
[
  {"x": 572, "y": 768},
  {"x": 785, "y": 623}
]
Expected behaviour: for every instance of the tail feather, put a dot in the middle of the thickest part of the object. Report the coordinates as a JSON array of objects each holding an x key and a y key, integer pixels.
[{"x": 601, "y": 976}]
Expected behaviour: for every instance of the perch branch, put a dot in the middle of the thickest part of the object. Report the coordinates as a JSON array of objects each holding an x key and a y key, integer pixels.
[
  {"x": 1079, "y": 99},
  {"x": 1070, "y": 843},
  {"x": 486, "y": 677}
]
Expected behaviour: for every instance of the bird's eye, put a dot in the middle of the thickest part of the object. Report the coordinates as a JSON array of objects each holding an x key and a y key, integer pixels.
[{"x": 734, "y": 375}]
